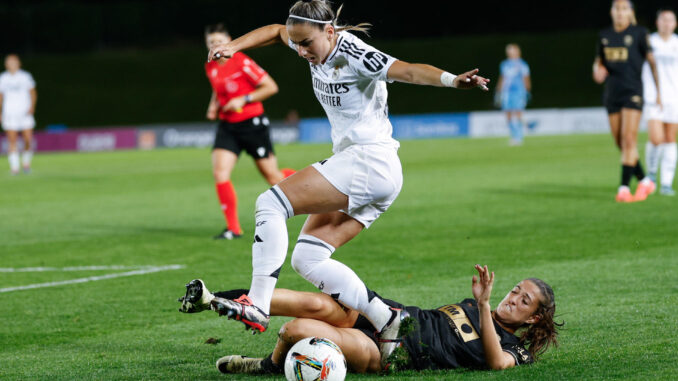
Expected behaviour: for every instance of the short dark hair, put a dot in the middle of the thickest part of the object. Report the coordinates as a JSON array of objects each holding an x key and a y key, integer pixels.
[
  {"x": 662, "y": 10},
  {"x": 216, "y": 28}
]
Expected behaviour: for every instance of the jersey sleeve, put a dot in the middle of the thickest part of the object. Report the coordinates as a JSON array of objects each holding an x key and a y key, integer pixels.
[
  {"x": 30, "y": 82},
  {"x": 526, "y": 69},
  {"x": 519, "y": 353},
  {"x": 367, "y": 61},
  {"x": 644, "y": 42},
  {"x": 253, "y": 72}
]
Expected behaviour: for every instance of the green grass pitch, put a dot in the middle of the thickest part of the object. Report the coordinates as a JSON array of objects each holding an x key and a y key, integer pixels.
[{"x": 545, "y": 209}]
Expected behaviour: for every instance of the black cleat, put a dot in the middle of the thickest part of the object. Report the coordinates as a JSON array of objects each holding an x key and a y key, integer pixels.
[
  {"x": 227, "y": 234},
  {"x": 243, "y": 310},
  {"x": 197, "y": 297}
]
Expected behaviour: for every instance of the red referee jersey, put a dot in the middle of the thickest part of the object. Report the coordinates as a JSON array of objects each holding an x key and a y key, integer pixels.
[{"x": 239, "y": 76}]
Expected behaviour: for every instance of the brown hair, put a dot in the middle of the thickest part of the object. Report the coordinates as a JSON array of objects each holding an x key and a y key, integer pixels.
[
  {"x": 544, "y": 333},
  {"x": 321, "y": 10},
  {"x": 216, "y": 28}
]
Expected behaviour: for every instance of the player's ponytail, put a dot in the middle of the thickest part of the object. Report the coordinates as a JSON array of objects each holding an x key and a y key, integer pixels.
[
  {"x": 320, "y": 13},
  {"x": 544, "y": 333}
]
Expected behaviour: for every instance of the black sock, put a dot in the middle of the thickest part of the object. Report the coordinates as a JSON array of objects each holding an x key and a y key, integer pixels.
[
  {"x": 269, "y": 366},
  {"x": 627, "y": 173},
  {"x": 231, "y": 294},
  {"x": 638, "y": 171}
]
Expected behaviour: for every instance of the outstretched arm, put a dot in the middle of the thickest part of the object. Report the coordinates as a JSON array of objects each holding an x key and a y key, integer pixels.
[
  {"x": 421, "y": 74},
  {"x": 496, "y": 358},
  {"x": 266, "y": 35}
]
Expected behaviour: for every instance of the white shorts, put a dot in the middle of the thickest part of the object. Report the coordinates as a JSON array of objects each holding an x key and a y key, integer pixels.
[
  {"x": 370, "y": 175},
  {"x": 667, "y": 113},
  {"x": 17, "y": 122}
]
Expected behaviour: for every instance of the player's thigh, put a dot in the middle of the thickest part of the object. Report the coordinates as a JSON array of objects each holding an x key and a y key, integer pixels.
[
  {"x": 312, "y": 305},
  {"x": 335, "y": 228},
  {"x": 629, "y": 125},
  {"x": 268, "y": 167},
  {"x": 311, "y": 193},
  {"x": 655, "y": 131},
  {"x": 615, "y": 127},
  {"x": 362, "y": 354},
  {"x": 670, "y": 130},
  {"x": 12, "y": 136},
  {"x": 223, "y": 162}
]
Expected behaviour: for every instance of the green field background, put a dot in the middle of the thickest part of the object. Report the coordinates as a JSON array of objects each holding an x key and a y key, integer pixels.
[
  {"x": 545, "y": 209},
  {"x": 161, "y": 85}
]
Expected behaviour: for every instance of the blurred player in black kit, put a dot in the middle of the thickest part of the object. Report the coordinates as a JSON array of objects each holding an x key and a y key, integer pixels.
[{"x": 622, "y": 51}]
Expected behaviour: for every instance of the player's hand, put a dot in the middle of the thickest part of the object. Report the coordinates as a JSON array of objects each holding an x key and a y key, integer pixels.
[
  {"x": 220, "y": 51},
  {"x": 235, "y": 104},
  {"x": 599, "y": 74},
  {"x": 212, "y": 113},
  {"x": 659, "y": 101},
  {"x": 482, "y": 285},
  {"x": 470, "y": 80}
]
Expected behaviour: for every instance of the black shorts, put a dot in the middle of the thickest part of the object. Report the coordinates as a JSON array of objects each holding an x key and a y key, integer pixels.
[
  {"x": 614, "y": 101},
  {"x": 251, "y": 135}
]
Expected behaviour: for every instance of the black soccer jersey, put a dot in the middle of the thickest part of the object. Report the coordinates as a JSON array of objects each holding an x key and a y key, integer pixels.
[
  {"x": 623, "y": 54},
  {"x": 449, "y": 337}
]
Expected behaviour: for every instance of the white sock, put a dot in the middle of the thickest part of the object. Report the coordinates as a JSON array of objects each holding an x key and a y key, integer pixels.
[
  {"x": 13, "y": 158},
  {"x": 652, "y": 155},
  {"x": 311, "y": 259},
  {"x": 668, "y": 169},
  {"x": 26, "y": 158},
  {"x": 270, "y": 245}
]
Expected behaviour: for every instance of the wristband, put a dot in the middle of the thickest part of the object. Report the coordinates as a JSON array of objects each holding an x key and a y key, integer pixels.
[
  {"x": 248, "y": 98},
  {"x": 447, "y": 79}
]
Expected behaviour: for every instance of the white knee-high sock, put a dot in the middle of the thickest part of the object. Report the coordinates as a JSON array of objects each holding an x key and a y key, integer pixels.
[
  {"x": 669, "y": 159},
  {"x": 311, "y": 259},
  {"x": 652, "y": 155},
  {"x": 270, "y": 245},
  {"x": 13, "y": 158},
  {"x": 26, "y": 158}
]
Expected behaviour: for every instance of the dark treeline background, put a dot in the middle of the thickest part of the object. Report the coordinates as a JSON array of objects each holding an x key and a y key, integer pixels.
[{"x": 134, "y": 62}]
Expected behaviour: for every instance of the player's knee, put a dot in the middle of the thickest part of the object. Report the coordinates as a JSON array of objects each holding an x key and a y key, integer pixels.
[
  {"x": 220, "y": 175},
  {"x": 292, "y": 331}
]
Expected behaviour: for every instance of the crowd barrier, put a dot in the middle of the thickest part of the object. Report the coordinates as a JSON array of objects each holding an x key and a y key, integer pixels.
[{"x": 317, "y": 130}]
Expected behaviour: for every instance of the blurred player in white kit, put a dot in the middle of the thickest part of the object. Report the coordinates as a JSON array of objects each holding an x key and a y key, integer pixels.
[
  {"x": 663, "y": 120},
  {"x": 17, "y": 106}
]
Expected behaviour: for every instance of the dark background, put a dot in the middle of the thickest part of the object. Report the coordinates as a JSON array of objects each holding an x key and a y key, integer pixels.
[{"x": 134, "y": 62}]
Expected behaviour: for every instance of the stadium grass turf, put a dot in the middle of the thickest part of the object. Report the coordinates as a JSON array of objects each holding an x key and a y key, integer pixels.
[{"x": 545, "y": 209}]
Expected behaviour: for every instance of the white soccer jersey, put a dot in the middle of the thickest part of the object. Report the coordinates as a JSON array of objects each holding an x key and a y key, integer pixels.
[
  {"x": 351, "y": 87},
  {"x": 16, "y": 95},
  {"x": 666, "y": 56}
]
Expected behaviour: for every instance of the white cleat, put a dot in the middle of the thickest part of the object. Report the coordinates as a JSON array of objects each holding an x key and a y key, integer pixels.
[
  {"x": 240, "y": 364},
  {"x": 197, "y": 297}
]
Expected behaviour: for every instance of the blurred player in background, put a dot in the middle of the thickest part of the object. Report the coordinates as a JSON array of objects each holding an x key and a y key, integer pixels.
[
  {"x": 239, "y": 86},
  {"x": 621, "y": 53},
  {"x": 17, "y": 106},
  {"x": 513, "y": 91},
  {"x": 347, "y": 192},
  {"x": 662, "y": 120}
]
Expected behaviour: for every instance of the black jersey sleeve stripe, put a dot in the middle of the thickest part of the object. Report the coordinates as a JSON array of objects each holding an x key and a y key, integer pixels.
[
  {"x": 281, "y": 201},
  {"x": 314, "y": 243},
  {"x": 350, "y": 53},
  {"x": 341, "y": 39}
]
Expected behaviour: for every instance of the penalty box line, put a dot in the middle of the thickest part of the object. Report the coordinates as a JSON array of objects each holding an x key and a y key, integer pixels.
[{"x": 145, "y": 270}]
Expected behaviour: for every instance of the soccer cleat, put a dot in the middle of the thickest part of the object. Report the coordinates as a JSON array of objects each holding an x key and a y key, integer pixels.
[
  {"x": 197, "y": 297},
  {"x": 243, "y": 310},
  {"x": 227, "y": 234},
  {"x": 624, "y": 195},
  {"x": 390, "y": 335},
  {"x": 666, "y": 190},
  {"x": 240, "y": 364},
  {"x": 27, "y": 170},
  {"x": 645, "y": 188}
]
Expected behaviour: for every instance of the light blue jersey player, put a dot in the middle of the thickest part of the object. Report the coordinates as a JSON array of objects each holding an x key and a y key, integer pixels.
[{"x": 513, "y": 90}]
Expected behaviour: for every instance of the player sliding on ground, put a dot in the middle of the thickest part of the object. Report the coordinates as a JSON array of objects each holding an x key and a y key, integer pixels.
[
  {"x": 467, "y": 334},
  {"x": 347, "y": 192}
]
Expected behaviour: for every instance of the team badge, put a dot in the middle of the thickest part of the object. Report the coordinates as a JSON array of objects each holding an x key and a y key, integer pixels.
[
  {"x": 335, "y": 74},
  {"x": 637, "y": 99},
  {"x": 605, "y": 41},
  {"x": 628, "y": 40}
]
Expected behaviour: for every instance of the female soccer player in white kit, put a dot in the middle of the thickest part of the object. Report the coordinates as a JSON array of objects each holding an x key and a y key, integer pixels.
[
  {"x": 662, "y": 120},
  {"x": 17, "y": 106},
  {"x": 347, "y": 192}
]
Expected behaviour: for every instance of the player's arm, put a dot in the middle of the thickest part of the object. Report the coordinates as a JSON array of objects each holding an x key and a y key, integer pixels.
[
  {"x": 527, "y": 80},
  {"x": 599, "y": 71},
  {"x": 266, "y": 35},
  {"x": 213, "y": 107},
  {"x": 495, "y": 357},
  {"x": 265, "y": 89},
  {"x": 34, "y": 100},
  {"x": 422, "y": 74},
  {"x": 655, "y": 74}
]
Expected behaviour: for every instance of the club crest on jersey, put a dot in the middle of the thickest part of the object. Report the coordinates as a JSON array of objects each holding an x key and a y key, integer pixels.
[
  {"x": 628, "y": 40},
  {"x": 605, "y": 41}
]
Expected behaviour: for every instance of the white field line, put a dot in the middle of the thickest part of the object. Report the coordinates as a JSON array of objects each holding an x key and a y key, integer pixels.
[
  {"x": 145, "y": 270},
  {"x": 72, "y": 268}
]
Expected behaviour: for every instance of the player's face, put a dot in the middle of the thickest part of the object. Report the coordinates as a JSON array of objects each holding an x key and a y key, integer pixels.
[
  {"x": 215, "y": 39},
  {"x": 666, "y": 23},
  {"x": 12, "y": 63},
  {"x": 512, "y": 52},
  {"x": 313, "y": 44},
  {"x": 621, "y": 12},
  {"x": 519, "y": 305}
]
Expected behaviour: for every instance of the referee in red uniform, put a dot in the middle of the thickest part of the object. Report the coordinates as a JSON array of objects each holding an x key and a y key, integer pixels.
[{"x": 239, "y": 86}]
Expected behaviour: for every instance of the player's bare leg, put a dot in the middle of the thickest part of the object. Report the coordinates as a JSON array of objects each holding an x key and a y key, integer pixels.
[
  {"x": 13, "y": 152},
  {"x": 624, "y": 192},
  {"x": 223, "y": 162},
  {"x": 268, "y": 167},
  {"x": 27, "y": 155},
  {"x": 630, "y": 158}
]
